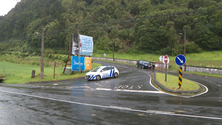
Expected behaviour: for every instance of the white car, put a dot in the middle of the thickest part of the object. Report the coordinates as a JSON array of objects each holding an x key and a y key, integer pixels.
[{"x": 102, "y": 72}]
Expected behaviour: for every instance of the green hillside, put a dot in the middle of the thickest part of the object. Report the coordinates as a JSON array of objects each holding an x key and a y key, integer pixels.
[{"x": 134, "y": 26}]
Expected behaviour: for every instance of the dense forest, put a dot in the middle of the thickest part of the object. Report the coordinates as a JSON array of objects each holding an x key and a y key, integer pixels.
[{"x": 134, "y": 26}]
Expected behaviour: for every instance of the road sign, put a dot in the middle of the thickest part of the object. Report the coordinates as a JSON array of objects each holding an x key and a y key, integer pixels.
[
  {"x": 166, "y": 59},
  {"x": 180, "y": 60},
  {"x": 161, "y": 58}
]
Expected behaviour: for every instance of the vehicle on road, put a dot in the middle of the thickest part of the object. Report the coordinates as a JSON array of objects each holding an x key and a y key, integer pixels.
[
  {"x": 143, "y": 64},
  {"x": 102, "y": 72}
]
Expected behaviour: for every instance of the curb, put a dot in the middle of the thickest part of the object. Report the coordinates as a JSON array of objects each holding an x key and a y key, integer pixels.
[{"x": 175, "y": 91}]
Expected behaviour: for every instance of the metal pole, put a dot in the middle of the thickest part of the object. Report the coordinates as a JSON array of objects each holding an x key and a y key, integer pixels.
[
  {"x": 166, "y": 73},
  {"x": 69, "y": 43},
  {"x": 162, "y": 64},
  {"x": 54, "y": 70},
  {"x": 113, "y": 50},
  {"x": 185, "y": 48},
  {"x": 79, "y": 51},
  {"x": 4, "y": 71},
  {"x": 42, "y": 53}
]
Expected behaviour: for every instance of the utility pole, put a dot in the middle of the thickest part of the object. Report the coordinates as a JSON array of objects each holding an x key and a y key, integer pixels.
[
  {"x": 113, "y": 50},
  {"x": 79, "y": 52},
  {"x": 69, "y": 42},
  {"x": 185, "y": 48},
  {"x": 42, "y": 53}
]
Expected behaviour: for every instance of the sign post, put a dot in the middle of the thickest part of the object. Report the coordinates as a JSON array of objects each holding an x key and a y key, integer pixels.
[
  {"x": 54, "y": 70},
  {"x": 161, "y": 60},
  {"x": 180, "y": 60},
  {"x": 166, "y": 60}
]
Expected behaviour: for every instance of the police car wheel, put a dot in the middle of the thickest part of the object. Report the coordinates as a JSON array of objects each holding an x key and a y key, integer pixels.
[
  {"x": 142, "y": 67},
  {"x": 98, "y": 77},
  {"x": 116, "y": 75},
  {"x": 137, "y": 66}
]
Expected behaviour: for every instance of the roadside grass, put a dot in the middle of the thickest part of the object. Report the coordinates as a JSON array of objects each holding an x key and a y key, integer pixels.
[
  {"x": 206, "y": 74},
  {"x": 211, "y": 59},
  {"x": 30, "y": 60},
  {"x": 172, "y": 83},
  {"x": 20, "y": 74},
  {"x": 206, "y": 59}
]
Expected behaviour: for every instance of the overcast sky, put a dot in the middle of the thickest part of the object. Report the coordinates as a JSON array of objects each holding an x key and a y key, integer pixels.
[{"x": 6, "y": 6}]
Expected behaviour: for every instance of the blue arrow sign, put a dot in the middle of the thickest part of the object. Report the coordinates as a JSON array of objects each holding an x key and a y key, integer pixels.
[{"x": 180, "y": 60}]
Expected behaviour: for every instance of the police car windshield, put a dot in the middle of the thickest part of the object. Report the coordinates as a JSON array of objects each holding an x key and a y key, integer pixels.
[
  {"x": 96, "y": 69},
  {"x": 145, "y": 62}
]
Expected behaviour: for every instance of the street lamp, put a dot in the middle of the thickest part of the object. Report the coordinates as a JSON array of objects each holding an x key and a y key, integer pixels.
[{"x": 184, "y": 35}]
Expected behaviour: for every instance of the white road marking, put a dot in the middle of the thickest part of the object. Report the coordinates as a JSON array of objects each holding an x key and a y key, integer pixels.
[
  {"x": 116, "y": 107},
  {"x": 126, "y": 90},
  {"x": 179, "y": 95}
]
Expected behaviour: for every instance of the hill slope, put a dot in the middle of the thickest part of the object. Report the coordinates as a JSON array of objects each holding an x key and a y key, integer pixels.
[{"x": 150, "y": 26}]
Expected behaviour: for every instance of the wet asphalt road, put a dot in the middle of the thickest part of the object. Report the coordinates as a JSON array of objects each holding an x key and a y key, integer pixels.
[{"x": 128, "y": 99}]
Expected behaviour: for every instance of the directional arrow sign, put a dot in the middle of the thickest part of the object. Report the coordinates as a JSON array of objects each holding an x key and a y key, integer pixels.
[{"x": 180, "y": 60}]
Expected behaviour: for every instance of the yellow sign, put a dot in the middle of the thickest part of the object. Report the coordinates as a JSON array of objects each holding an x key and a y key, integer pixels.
[{"x": 88, "y": 63}]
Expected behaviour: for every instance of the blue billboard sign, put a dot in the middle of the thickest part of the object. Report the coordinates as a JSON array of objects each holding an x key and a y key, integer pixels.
[
  {"x": 75, "y": 63},
  {"x": 85, "y": 63}
]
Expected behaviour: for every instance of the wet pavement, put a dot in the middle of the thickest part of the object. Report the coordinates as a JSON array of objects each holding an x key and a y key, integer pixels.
[{"x": 128, "y": 99}]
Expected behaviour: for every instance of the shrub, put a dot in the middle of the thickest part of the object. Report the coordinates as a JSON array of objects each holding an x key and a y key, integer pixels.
[
  {"x": 23, "y": 55},
  {"x": 35, "y": 63},
  {"x": 166, "y": 50},
  {"x": 46, "y": 64},
  {"x": 36, "y": 54},
  {"x": 64, "y": 59},
  {"x": 2, "y": 52},
  {"x": 16, "y": 53},
  {"x": 50, "y": 56},
  {"x": 192, "y": 47},
  {"x": 10, "y": 53},
  {"x": 48, "y": 51}
]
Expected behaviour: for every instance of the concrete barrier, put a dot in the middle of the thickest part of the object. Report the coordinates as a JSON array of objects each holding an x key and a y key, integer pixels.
[
  {"x": 68, "y": 70},
  {"x": 203, "y": 69},
  {"x": 117, "y": 60}
]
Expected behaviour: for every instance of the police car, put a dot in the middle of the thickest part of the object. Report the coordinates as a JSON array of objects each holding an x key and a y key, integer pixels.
[{"x": 102, "y": 72}]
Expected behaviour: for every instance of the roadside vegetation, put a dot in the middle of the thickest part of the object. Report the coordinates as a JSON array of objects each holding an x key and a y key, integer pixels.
[
  {"x": 210, "y": 59},
  {"x": 172, "y": 83},
  {"x": 22, "y": 73},
  {"x": 139, "y": 30},
  {"x": 132, "y": 26},
  {"x": 18, "y": 68}
]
